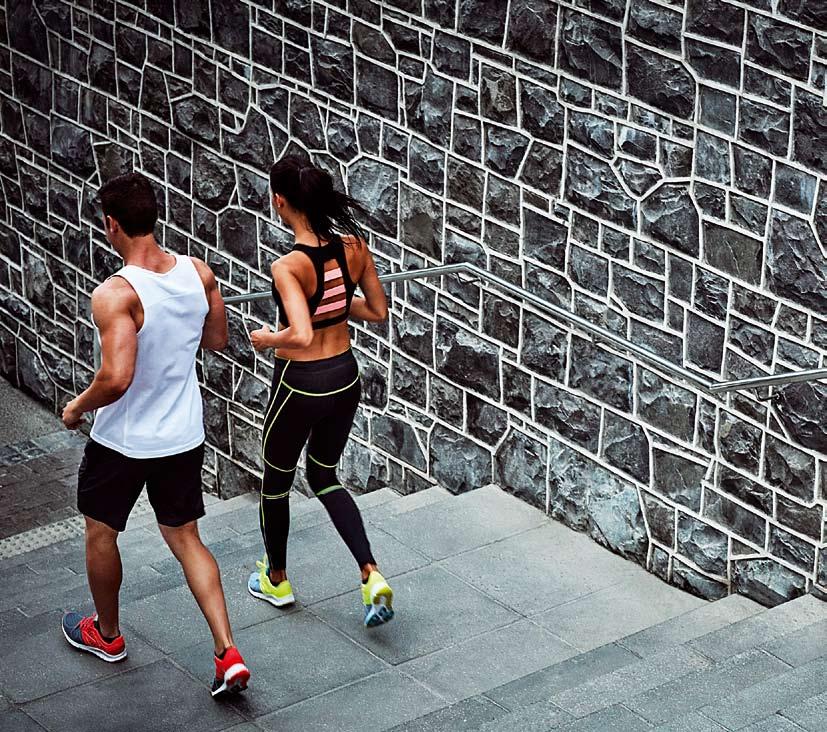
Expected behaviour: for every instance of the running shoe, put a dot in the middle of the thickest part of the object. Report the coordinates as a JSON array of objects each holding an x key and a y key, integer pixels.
[
  {"x": 260, "y": 586},
  {"x": 377, "y": 597},
  {"x": 231, "y": 674},
  {"x": 82, "y": 633}
]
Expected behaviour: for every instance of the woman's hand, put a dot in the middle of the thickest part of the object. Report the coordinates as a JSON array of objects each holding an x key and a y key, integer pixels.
[{"x": 262, "y": 339}]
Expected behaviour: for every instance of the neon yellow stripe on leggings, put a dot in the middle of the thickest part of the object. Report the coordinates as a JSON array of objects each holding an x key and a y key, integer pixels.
[
  {"x": 318, "y": 462},
  {"x": 280, "y": 495},
  {"x": 329, "y": 489},
  {"x": 276, "y": 467},
  {"x": 278, "y": 389},
  {"x": 267, "y": 436},
  {"x": 326, "y": 393}
]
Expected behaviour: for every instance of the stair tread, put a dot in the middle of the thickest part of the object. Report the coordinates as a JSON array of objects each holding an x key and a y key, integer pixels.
[
  {"x": 761, "y": 628},
  {"x": 690, "y": 625}
]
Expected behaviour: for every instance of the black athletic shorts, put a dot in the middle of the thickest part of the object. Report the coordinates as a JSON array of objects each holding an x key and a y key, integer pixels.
[{"x": 109, "y": 484}]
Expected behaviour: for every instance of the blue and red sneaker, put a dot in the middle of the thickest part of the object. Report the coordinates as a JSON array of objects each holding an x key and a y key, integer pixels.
[
  {"x": 231, "y": 675},
  {"x": 83, "y": 633}
]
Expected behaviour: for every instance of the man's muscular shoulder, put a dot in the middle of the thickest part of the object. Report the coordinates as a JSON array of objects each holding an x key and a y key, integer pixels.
[{"x": 114, "y": 296}]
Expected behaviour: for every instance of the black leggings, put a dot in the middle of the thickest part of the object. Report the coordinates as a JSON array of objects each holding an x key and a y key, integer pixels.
[{"x": 312, "y": 402}]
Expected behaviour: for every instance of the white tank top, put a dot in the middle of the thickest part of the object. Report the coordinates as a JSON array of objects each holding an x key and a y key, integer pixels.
[{"x": 161, "y": 413}]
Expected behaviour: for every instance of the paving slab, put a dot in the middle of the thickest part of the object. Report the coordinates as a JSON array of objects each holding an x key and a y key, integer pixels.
[
  {"x": 703, "y": 688},
  {"x": 183, "y": 624},
  {"x": 159, "y": 696},
  {"x": 405, "y": 504},
  {"x": 809, "y": 714},
  {"x": 434, "y": 608},
  {"x": 537, "y": 687},
  {"x": 469, "y": 715},
  {"x": 614, "y": 719},
  {"x": 692, "y": 722},
  {"x": 629, "y": 681},
  {"x": 379, "y": 702},
  {"x": 14, "y": 720},
  {"x": 698, "y": 622},
  {"x": 534, "y": 571},
  {"x": 140, "y": 582},
  {"x": 637, "y": 602},
  {"x": 292, "y": 657},
  {"x": 776, "y": 723},
  {"x": 320, "y": 566},
  {"x": 466, "y": 522},
  {"x": 489, "y": 660},
  {"x": 752, "y": 704},
  {"x": 801, "y": 646},
  {"x": 539, "y": 717},
  {"x": 44, "y": 663}
]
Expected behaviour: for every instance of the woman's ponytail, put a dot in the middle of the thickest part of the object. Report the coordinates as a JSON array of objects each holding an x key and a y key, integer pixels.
[{"x": 310, "y": 190}]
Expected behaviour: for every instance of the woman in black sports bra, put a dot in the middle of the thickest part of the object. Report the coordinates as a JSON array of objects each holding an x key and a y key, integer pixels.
[{"x": 316, "y": 378}]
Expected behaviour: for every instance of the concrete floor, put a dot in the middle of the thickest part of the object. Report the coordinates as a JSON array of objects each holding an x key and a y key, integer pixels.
[{"x": 21, "y": 417}]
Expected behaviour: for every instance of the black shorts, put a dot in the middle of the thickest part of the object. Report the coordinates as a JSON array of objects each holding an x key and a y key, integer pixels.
[{"x": 109, "y": 484}]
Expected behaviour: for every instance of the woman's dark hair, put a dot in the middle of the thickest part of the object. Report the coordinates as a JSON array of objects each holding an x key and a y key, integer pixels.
[
  {"x": 310, "y": 190},
  {"x": 130, "y": 200}
]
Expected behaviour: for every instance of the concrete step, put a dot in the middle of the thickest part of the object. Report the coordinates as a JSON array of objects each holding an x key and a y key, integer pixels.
[
  {"x": 761, "y": 629},
  {"x": 691, "y": 625},
  {"x": 698, "y": 671}
]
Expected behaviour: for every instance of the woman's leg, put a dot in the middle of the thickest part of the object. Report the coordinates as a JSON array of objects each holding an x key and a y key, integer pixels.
[
  {"x": 328, "y": 438},
  {"x": 285, "y": 432}
]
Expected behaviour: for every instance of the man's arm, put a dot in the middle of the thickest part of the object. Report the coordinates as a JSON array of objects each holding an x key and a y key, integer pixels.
[
  {"x": 113, "y": 304},
  {"x": 215, "y": 334}
]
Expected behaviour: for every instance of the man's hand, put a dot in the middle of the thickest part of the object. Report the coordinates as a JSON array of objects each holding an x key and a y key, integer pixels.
[
  {"x": 72, "y": 417},
  {"x": 262, "y": 339}
]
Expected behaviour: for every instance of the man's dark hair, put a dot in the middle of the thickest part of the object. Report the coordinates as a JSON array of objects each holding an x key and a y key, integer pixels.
[{"x": 130, "y": 200}]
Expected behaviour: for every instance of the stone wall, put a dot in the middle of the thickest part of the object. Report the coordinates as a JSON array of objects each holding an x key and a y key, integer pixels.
[{"x": 657, "y": 167}]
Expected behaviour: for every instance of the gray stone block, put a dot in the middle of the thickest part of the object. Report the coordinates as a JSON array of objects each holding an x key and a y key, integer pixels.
[
  {"x": 766, "y": 581},
  {"x": 520, "y": 465},
  {"x": 591, "y": 49}
]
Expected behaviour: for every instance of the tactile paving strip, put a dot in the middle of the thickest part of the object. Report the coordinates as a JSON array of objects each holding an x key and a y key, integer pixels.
[{"x": 55, "y": 532}]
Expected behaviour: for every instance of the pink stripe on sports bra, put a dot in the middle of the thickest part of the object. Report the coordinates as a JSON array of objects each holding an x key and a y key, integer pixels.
[
  {"x": 332, "y": 274},
  {"x": 330, "y": 307},
  {"x": 338, "y": 290}
]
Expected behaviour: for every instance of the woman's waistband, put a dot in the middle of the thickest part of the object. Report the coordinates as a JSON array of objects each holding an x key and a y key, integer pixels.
[{"x": 321, "y": 376}]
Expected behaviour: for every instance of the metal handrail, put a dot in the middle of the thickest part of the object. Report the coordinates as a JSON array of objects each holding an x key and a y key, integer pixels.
[{"x": 700, "y": 382}]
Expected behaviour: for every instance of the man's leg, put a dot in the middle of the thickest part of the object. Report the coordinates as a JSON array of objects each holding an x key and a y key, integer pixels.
[
  {"x": 203, "y": 578},
  {"x": 103, "y": 568}
]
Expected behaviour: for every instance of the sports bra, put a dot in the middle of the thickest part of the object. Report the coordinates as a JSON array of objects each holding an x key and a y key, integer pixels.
[{"x": 330, "y": 303}]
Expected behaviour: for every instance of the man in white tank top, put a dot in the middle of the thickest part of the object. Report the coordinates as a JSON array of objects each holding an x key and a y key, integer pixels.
[{"x": 152, "y": 317}]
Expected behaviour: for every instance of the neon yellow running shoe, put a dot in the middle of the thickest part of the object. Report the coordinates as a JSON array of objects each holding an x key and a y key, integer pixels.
[
  {"x": 260, "y": 586},
  {"x": 377, "y": 597}
]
